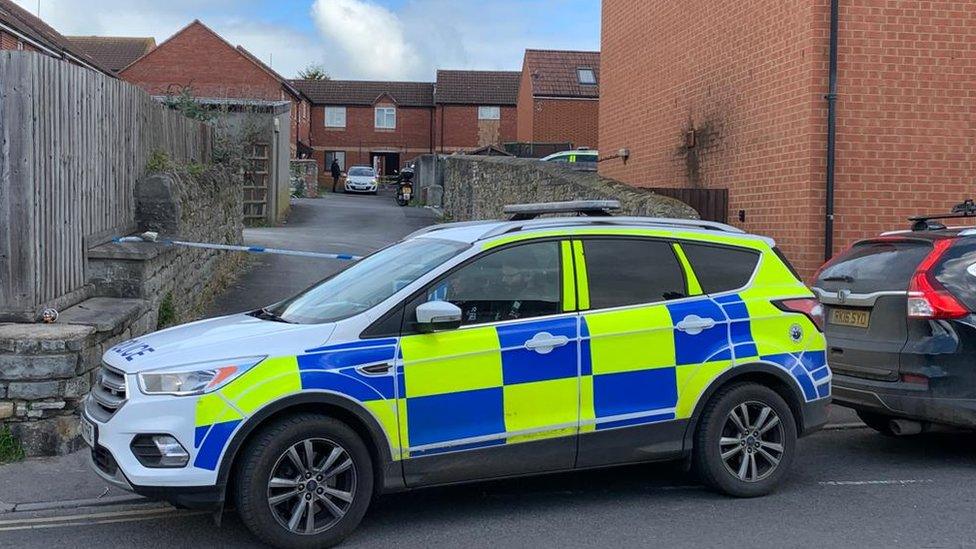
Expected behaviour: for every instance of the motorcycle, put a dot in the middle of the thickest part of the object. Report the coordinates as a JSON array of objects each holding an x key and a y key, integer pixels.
[{"x": 404, "y": 187}]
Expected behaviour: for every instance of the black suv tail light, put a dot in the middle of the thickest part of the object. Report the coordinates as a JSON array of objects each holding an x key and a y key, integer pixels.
[
  {"x": 927, "y": 297},
  {"x": 804, "y": 305}
]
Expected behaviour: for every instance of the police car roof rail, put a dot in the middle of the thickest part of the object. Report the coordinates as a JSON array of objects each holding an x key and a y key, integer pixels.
[
  {"x": 515, "y": 226},
  {"x": 455, "y": 225}
]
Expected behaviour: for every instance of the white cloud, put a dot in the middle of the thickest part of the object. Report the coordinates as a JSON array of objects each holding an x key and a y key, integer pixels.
[{"x": 368, "y": 39}]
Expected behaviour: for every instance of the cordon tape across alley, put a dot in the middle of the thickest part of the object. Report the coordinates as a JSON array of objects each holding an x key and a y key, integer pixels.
[{"x": 151, "y": 236}]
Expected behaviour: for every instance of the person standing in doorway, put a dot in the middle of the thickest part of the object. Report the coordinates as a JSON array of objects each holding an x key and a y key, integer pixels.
[{"x": 336, "y": 172}]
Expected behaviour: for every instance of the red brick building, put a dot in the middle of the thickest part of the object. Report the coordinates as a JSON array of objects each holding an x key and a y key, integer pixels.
[
  {"x": 198, "y": 58},
  {"x": 366, "y": 123},
  {"x": 558, "y": 97},
  {"x": 21, "y": 30},
  {"x": 474, "y": 109},
  {"x": 386, "y": 124},
  {"x": 726, "y": 94}
]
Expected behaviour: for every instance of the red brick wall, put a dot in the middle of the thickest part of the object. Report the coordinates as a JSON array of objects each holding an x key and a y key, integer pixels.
[
  {"x": 559, "y": 120},
  {"x": 196, "y": 57},
  {"x": 906, "y": 131},
  {"x": 11, "y": 42},
  {"x": 749, "y": 78},
  {"x": 411, "y": 138},
  {"x": 456, "y": 127}
]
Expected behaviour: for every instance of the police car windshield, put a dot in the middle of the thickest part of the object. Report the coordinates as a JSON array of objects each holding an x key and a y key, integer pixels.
[
  {"x": 366, "y": 283},
  {"x": 367, "y": 172}
]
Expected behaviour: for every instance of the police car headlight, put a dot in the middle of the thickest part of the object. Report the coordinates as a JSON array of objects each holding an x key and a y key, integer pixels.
[{"x": 195, "y": 379}]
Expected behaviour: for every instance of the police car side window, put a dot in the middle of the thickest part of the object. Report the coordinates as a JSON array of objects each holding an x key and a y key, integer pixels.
[
  {"x": 631, "y": 271},
  {"x": 718, "y": 268},
  {"x": 512, "y": 283}
]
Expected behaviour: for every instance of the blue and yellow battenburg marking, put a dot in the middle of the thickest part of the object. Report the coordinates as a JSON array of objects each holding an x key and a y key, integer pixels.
[
  {"x": 480, "y": 386},
  {"x": 331, "y": 368}
]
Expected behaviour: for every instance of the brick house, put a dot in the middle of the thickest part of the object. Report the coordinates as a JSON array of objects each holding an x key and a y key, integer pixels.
[
  {"x": 385, "y": 124},
  {"x": 113, "y": 52},
  {"x": 721, "y": 94},
  {"x": 21, "y": 30},
  {"x": 475, "y": 109},
  {"x": 558, "y": 99},
  {"x": 369, "y": 123},
  {"x": 199, "y": 58}
]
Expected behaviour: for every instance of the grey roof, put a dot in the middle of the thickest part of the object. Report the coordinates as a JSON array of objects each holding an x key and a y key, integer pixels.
[
  {"x": 477, "y": 87},
  {"x": 114, "y": 52},
  {"x": 366, "y": 92}
]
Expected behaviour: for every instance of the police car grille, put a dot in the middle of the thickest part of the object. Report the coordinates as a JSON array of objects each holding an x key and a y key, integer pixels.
[{"x": 108, "y": 393}]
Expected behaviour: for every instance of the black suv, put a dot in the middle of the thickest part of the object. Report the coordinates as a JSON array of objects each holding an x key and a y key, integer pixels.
[{"x": 901, "y": 329}]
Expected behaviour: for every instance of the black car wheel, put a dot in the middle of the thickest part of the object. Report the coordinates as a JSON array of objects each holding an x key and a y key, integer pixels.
[
  {"x": 745, "y": 440},
  {"x": 306, "y": 481}
]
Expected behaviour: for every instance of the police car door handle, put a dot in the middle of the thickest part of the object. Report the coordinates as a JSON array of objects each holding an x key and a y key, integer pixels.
[
  {"x": 694, "y": 324},
  {"x": 544, "y": 342},
  {"x": 376, "y": 369}
]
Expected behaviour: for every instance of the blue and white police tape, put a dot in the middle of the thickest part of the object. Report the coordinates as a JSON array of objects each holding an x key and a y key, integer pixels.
[{"x": 154, "y": 237}]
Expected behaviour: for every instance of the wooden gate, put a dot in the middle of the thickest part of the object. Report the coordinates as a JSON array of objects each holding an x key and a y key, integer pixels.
[{"x": 711, "y": 204}]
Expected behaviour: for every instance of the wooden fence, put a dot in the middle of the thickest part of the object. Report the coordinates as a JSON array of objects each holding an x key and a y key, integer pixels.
[
  {"x": 711, "y": 204},
  {"x": 72, "y": 144}
]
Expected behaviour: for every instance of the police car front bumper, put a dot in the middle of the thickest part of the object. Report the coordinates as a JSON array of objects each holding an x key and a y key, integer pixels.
[{"x": 112, "y": 458}]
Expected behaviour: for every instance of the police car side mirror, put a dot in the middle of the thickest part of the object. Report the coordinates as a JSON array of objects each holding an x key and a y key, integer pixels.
[{"x": 436, "y": 316}]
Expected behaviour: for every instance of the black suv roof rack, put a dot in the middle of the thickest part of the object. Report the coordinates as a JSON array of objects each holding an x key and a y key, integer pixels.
[
  {"x": 925, "y": 222},
  {"x": 592, "y": 208}
]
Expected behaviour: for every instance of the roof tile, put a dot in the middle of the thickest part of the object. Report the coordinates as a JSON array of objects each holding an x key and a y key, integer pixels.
[
  {"x": 553, "y": 72},
  {"x": 477, "y": 87},
  {"x": 114, "y": 52},
  {"x": 365, "y": 92}
]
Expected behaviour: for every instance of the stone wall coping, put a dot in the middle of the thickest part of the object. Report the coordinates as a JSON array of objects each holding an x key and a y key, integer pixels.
[
  {"x": 105, "y": 313},
  {"x": 45, "y": 332},
  {"x": 133, "y": 251}
]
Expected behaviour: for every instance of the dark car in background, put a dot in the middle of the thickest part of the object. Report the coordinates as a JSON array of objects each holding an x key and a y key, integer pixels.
[{"x": 901, "y": 329}]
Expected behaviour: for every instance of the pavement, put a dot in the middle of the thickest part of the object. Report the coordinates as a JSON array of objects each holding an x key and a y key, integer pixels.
[{"x": 849, "y": 485}]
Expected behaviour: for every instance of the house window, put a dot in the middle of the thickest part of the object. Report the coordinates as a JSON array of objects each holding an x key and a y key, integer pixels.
[
  {"x": 386, "y": 118},
  {"x": 338, "y": 156},
  {"x": 335, "y": 117},
  {"x": 489, "y": 113},
  {"x": 586, "y": 75}
]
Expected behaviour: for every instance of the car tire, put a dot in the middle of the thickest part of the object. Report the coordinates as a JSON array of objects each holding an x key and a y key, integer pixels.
[
  {"x": 767, "y": 457},
  {"x": 879, "y": 422},
  {"x": 268, "y": 456}
]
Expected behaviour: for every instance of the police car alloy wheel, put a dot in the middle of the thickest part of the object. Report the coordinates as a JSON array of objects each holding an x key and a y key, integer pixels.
[
  {"x": 306, "y": 481},
  {"x": 745, "y": 440}
]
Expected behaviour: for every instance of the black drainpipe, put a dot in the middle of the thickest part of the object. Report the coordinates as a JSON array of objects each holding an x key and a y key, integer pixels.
[{"x": 831, "y": 98}]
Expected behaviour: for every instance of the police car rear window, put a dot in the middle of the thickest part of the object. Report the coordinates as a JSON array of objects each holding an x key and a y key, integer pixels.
[
  {"x": 631, "y": 271},
  {"x": 718, "y": 268}
]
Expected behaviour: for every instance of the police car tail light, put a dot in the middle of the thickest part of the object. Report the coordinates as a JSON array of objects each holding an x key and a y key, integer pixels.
[
  {"x": 194, "y": 379},
  {"x": 927, "y": 297},
  {"x": 807, "y": 306}
]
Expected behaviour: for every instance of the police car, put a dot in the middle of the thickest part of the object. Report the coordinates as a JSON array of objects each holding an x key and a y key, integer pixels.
[{"x": 472, "y": 351}]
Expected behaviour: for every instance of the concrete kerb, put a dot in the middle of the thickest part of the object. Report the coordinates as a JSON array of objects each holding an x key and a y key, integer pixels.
[{"x": 106, "y": 501}]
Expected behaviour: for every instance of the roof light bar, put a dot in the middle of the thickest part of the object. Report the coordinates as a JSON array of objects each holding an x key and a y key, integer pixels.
[{"x": 593, "y": 208}]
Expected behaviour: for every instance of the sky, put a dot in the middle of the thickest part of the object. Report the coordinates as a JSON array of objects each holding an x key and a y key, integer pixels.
[{"x": 351, "y": 39}]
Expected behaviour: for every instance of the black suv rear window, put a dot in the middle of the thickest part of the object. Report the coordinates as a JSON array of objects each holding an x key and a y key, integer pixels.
[
  {"x": 874, "y": 266},
  {"x": 720, "y": 269}
]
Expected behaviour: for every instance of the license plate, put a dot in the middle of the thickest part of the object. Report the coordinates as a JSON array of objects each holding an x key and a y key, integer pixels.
[
  {"x": 850, "y": 317},
  {"x": 88, "y": 432}
]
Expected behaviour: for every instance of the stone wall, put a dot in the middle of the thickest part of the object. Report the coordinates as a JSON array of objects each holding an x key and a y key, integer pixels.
[
  {"x": 478, "y": 187},
  {"x": 47, "y": 369}
]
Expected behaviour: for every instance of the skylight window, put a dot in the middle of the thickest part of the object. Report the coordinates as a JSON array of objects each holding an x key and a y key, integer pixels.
[{"x": 586, "y": 75}]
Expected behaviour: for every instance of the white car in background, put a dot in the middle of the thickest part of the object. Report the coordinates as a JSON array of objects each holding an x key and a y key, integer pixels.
[{"x": 360, "y": 179}]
